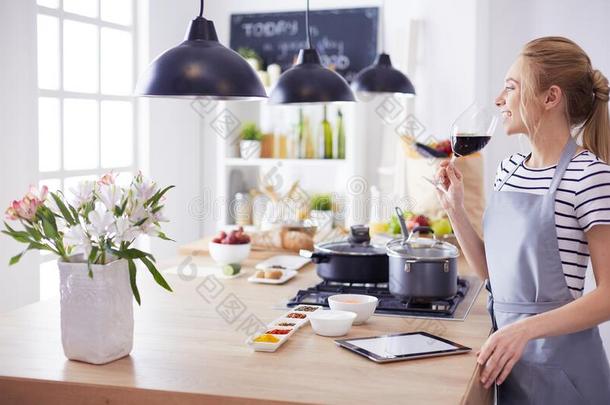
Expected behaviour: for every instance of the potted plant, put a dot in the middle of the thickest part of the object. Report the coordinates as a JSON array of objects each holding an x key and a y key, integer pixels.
[
  {"x": 250, "y": 144},
  {"x": 321, "y": 213},
  {"x": 93, "y": 235}
]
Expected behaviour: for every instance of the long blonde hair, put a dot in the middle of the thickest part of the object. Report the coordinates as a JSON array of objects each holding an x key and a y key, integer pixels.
[{"x": 559, "y": 61}]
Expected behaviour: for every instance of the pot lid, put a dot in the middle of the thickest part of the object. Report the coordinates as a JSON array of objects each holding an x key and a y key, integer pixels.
[
  {"x": 422, "y": 248},
  {"x": 345, "y": 247}
]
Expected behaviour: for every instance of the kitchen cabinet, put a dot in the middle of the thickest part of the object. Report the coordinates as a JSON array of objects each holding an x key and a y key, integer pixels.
[{"x": 186, "y": 352}]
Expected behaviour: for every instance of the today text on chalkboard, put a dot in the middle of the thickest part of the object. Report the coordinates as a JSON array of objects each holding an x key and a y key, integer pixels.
[{"x": 345, "y": 38}]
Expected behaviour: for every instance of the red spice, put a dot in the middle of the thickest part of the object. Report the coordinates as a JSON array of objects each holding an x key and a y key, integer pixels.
[
  {"x": 294, "y": 315},
  {"x": 279, "y": 331}
]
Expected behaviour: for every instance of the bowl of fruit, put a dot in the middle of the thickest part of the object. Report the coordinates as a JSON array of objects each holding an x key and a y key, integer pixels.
[
  {"x": 440, "y": 226},
  {"x": 230, "y": 248}
]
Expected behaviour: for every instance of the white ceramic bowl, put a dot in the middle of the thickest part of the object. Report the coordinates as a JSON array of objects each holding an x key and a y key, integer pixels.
[
  {"x": 228, "y": 254},
  {"x": 363, "y": 305},
  {"x": 331, "y": 322}
]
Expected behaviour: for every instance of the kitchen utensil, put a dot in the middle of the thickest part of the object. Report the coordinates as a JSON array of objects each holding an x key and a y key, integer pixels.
[
  {"x": 422, "y": 267},
  {"x": 228, "y": 254},
  {"x": 287, "y": 275},
  {"x": 353, "y": 260},
  {"x": 428, "y": 151},
  {"x": 403, "y": 226},
  {"x": 363, "y": 305},
  {"x": 332, "y": 322}
]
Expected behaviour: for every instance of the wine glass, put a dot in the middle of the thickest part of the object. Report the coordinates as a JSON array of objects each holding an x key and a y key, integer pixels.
[{"x": 470, "y": 132}]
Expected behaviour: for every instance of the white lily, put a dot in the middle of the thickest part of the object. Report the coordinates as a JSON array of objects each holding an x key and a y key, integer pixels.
[
  {"x": 100, "y": 221},
  {"x": 124, "y": 231},
  {"x": 144, "y": 188},
  {"x": 83, "y": 192},
  {"x": 110, "y": 195},
  {"x": 77, "y": 238}
]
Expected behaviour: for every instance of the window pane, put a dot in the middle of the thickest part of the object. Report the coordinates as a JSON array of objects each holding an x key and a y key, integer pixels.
[
  {"x": 80, "y": 134},
  {"x": 48, "y": 52},
  {"x": 49, "y": 280},
  {"x": 48, "y": 3},
  {"x": 80, "y": 57},
  {"x": 117, "y": 133},
  {"x": 117, "y": 67},
  {"x": 117, "y": 11},
  {"x": 83, "y": 7},
  {"x": 49, "y": 141},
  {"x": 123, "y": 179}
]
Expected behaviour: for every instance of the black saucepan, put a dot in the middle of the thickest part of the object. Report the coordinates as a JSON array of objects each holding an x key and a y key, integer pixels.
[{"x": 353, "y": 260}]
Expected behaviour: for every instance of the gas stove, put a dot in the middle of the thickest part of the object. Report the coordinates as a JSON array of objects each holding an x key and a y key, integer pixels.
[{"x": 453, "y": 308}]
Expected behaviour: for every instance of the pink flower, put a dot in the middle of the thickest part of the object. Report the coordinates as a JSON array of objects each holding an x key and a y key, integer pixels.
[
  {"x": 11, "y": 214},
  {"x": 107, "y": 179},
  {"x": 26, "y": 208},
  {"x": 33, "y": 193}
]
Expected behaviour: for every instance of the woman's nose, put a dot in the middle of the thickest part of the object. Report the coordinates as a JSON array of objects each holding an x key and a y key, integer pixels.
[{"x": 500, "y": 101}]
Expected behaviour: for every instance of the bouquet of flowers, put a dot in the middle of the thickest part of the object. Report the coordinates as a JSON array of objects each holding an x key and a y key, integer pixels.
[{"x": 99, "y": 225}]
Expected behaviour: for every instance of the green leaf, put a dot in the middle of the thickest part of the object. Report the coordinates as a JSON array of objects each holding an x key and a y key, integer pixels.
[
  {"x": 140, "y": 222},
  {"x": 64, "y": 210},
  {"x": 120, "y": 210},
  {"x": 40, "y": 246},
  {"x": 49, "y": 228},
  {"x": 21, "y": 237},
  {"x": 163, "y": 236},
  {"x": 155, "y": 273},
  {"x": 155, "y": 198},
  {"x": 132, "y": 280},
  {"x": 35, "y": 233},
  {"x": 15, "y": 259}
]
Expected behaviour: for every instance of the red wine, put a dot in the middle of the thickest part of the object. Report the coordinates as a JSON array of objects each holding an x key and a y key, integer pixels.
[{"x": 467, "y": 144}]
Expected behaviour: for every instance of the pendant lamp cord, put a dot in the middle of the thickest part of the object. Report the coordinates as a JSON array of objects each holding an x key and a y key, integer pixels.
[
  {"x": 201, "y": 8},
  {"x": 307, "y": 26},
  {"x": 382, "y": 26}
]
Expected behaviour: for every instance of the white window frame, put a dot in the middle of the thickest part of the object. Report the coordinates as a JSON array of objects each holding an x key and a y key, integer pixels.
[{"x": 61, "y": 95}]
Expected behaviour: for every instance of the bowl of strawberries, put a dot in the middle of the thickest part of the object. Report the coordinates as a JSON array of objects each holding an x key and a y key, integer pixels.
[{"x": 230, "y": 248}]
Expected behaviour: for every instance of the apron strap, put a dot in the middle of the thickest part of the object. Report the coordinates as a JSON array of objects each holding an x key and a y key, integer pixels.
[
  {"x": 510, "y": 173},
  {"x": 564, "y": 161}
]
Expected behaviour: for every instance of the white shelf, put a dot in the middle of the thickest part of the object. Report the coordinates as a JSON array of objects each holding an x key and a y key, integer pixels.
[{"x": 285, "y": 162}]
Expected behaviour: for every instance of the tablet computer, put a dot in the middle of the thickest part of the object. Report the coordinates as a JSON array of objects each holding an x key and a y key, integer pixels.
[{"x": 402, "y": 346}]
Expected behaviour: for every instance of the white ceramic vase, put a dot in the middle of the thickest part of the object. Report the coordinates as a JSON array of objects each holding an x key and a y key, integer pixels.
[
  {"x": 97, "y": 312},
  {"x": 250, "y": 149}
]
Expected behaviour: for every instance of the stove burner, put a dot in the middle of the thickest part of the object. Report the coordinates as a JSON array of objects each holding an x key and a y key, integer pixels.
[{"x": 388, "y": 303}]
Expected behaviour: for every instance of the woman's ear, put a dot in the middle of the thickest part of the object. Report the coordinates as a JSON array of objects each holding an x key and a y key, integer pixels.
[{"x": 553, "y": 97}]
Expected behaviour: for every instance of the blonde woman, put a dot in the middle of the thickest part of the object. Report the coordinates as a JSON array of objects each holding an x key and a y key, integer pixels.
[{"x": 548, "y": 216}]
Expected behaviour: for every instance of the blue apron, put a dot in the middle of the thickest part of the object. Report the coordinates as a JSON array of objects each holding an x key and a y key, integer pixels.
[{"x": 526, "y": 278}]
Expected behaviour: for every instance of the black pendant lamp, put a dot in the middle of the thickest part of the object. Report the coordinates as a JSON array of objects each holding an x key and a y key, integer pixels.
[
  {"x": 201, "y": 67},
  {"x": 308, "y": 81},
  {"x": 381, "y": 76}
]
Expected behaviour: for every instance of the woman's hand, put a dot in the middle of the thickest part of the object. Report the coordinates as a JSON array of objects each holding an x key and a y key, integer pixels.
[
  {"x": 451, "y": 180},
  {"x": 501, "y": 351}
]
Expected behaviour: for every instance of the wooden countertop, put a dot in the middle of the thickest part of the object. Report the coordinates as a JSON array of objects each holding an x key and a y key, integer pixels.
[{"x": 186, "y": 352}]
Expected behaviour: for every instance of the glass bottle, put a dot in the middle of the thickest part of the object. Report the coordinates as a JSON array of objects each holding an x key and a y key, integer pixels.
[
  {"x": 328, "y": 136},
  {"x": 340, "y": 136}
]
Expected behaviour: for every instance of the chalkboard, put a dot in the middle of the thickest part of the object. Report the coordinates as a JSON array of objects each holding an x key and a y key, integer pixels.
[{"x": 345, "y": 38}]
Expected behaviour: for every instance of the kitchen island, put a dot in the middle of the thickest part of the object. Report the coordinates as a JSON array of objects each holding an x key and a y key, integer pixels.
[{"x": 189, "y": 348}]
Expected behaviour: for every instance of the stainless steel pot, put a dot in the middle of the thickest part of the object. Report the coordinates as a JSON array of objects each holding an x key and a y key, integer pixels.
[{"x": 422, "y": 267}]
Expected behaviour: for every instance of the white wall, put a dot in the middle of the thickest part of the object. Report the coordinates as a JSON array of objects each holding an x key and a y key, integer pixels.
[
  {"x": 19, "y": 285},
  {"x": 174, "y": 143}
]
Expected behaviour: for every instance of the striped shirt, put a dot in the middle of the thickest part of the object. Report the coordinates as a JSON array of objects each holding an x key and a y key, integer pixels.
[{"x": 582, "y": 201}]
